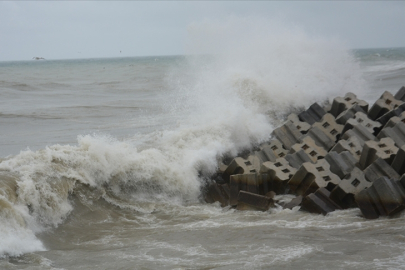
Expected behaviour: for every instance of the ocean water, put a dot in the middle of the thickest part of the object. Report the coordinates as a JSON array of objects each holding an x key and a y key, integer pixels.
[{"x": 102, "y": 161}]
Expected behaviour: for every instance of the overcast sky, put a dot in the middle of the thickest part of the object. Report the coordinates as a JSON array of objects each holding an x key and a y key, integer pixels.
[{"x": 68, "y": 29}]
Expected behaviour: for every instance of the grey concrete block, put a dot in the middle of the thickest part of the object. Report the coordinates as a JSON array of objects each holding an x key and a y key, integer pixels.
[
  {"x": 251, "y": 201},
  {"x": 298, "y": 158},
  {"x": 313, "y": 114},
  {"x": 396, "y": 133},
  {"x": 362, "y": 119},
  {"x": 398, "y": 164},
  {"x": 217, "y": 193},
  {"x": 380, "y": 168},
  {"x": 303, "y": 127},
  {"x": 319, "y": 202},
  {"x": 287, "y": 134},
  {"x": 351, "y": 144},
  {"x": 348, "y": 114},
  {"x": 400, "y": 95},
  {"x": 395, "y": 120},
  {"x": 329, "y": 126},
  {"x": 309, "y": 177},
  {"x": 388, "y": 115},
  {"x": 361, "y": 133},
  {"x": 271, "y": 151},
  {"x": 320, "y": 138},
  {"x": 341, "y": 104},
  {"x": 354, "y": 182},
  {"x": 242, "y": 166},
  {"x": 309, "y": 146},
  {"x": 278, "y": 174},
  {"x": 383, "y": 105},
  {"x": 384, "y": 149},
  {"x": 294, "y": 202},
  {"x": 342, "y": 163}
]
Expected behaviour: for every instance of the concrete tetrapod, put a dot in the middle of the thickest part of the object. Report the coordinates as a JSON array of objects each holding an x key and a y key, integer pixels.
[{"x": 341, "y": 104}]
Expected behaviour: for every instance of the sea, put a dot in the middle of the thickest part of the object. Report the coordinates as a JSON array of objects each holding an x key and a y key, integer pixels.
[{"x": 102, "y": 161}]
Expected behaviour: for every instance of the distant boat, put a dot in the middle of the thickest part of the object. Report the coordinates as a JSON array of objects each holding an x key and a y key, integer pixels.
[{"x": 38, "y": 58}]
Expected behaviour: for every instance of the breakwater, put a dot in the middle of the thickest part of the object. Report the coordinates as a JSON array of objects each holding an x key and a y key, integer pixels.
[{"x": 338, "y": 156}]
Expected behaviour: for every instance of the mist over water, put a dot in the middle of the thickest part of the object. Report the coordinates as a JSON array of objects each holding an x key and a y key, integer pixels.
[{"x": 130, "y": 185}]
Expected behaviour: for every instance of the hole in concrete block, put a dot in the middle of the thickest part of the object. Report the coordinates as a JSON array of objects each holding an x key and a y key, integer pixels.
[
  {"x": 326, "y": 178},
  {"x": 247, "y": 162},
  {"x": 333, "y": 132},
  {"x": 387, "y": 152},
  {"x": 274, "y": 147},
  {"x": 305, "y": 147},
  {"x": 395, "y": 106},
  {"x": 360, "y": 120},
  {"x": 388, "y": 102},
  {"x": 298, "y": 127},
  {"x": 355, "y": 103},
  {"x": 313, "y": 153},
  {"x": 281, "y": 155},
  {"x": 252, "y": 170},
  {"x": 351, "y": 144},
  {"x": 355, "y": 182},
  {"x": 285, "y": 171},
  {"x": 348, "y": 99},
  {"x": 325, "y": 125},
  {"x": 403, "y": 120},
  {"x": 382, "y": 145},
  {"x": 320, "y": 169},
  {"x": 358, "y": 152},
  {"x": 368, "y": 125},
  {"x": 278, "y": 164}
]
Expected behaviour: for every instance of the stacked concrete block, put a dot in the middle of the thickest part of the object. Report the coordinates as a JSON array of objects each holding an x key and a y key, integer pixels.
[
  {"x": 372, "y": 150},
  {"x": 378, "y": 169},
  {"x": 342, "y": 163},
  {"x": 351, "y": 144},
  {"x": 360, "y": 132},
  {"x": 309, "y": 177},
  {"x": 303, "y": 127},
  {"x": 386, "y": 103},
  {"x": 361, "y": 118},
  {"x": 294, "y": 202},
  {"x": 348, "y": 114},
  {"x": 253, "y": 182},
  {"x": 400, "y": 95},
  {"x": 395, "y": 120},
  {"x": 395, "y": 112},
  {"x": 278, "y": 174},
  {"x": 329, "y": 126},
  {"x": 298, "y": 158},
  {"x": 354, "y": 182},
  {"x": 218, "y": 193},
  {"x": 320, "y": 138},
  {"x": 287, "y": 134},
  {"x": 242, "y": 166},
  {"x": 252, "y": 201},
  {"x": 309, "y": 146},
  {"x": 384, "y": 198},
  {"x": 313, "y": 114},
  {"x": 396, "y": 133},
  {"x": 271, "y": 151},
  {"x": 398, "y": 164},
  {"x": 340, "y": 104},
  {"x": 319, "y": 202}
]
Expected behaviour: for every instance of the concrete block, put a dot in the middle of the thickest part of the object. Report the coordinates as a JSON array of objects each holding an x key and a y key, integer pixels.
[
  {"x": 342, "y": 163},
  {"x": 360, "y": 132},
  {"x": 388, "y": 115},
  {"x": 303, "y": 127},
  {"x": 351, "y": 144},
  {"x": 384, "y": 198},
  {"x": 251, "y": 201},
  {"x": 253, "y": 182},
  {"x": 309, "y": 146},
  {"x": 309, "y": 177},
  {"x": 271, "y": 151},
  {"x": 354, "y": 182},
  {"x": 320, "y": 138},
  {"x": 278, "y": 174},
  {"x": 287, "y": 134},
  {"x": 362, "y": 119},
  {"x": 313, "y": 114},
  {"x": 298, "y": 158},
  {"x": 348, "y": 114},
  {"x": 384, "y": 104},
  {"x": 294, "y": 202},
  {"x": 400, "y": 95},
  {"x": 380, "y": 168},
  {"x": 242, "y": 166},
  {"x": 217, "y": 193},
  {"x": 329, "y": 126},
  {"x": 319, "y": 202},
  {"x": 398, "y": 164},
  {"x": 341, "y": 104},
  {"x": 384, "y": 149},
  {"x": 396, "y": 133},
  {"x": 395, "y": 120}
]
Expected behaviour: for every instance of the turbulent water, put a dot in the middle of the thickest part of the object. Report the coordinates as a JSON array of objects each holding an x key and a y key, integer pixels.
[{"x": 103, "y": 160}]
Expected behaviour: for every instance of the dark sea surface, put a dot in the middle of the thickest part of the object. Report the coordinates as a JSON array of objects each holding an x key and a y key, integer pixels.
[{"x": 103, "y": 160}]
